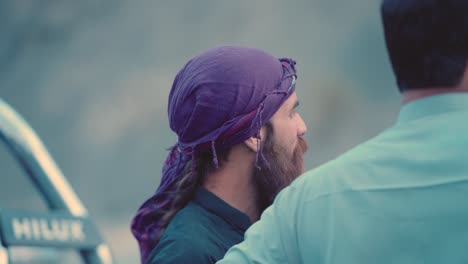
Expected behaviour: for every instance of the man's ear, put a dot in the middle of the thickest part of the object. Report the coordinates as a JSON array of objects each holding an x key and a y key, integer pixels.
[{"x": 252, "y": 143}]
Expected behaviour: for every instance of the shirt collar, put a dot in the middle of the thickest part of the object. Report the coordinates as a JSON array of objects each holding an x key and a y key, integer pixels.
[
  {"x": 433, "y": 105},
  {"x": 217, "y": 206}
]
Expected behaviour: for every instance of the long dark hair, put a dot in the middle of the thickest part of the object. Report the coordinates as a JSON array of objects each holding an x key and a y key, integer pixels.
[
  {"x": 186, "y": 185},
  {"x": 156, "y": 213}
]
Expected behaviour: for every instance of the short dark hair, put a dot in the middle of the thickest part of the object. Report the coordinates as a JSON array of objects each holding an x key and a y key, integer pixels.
[{"x": 427, "y": 41}]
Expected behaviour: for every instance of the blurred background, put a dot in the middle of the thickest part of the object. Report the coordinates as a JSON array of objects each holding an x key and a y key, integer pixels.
[{"x": 92, "y": 78}]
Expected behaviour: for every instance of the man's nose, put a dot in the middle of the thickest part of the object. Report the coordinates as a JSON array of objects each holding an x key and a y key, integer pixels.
[{"x": 301, "y": 126}]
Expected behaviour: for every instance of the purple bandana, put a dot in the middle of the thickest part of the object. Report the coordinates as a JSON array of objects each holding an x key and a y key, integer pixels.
[{"x": 220, "y": 98}]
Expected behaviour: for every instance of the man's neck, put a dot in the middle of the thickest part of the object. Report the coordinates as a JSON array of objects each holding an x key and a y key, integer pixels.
[
  {"x": 414, "y": 95},
  {"x": 233, "y": 183}
]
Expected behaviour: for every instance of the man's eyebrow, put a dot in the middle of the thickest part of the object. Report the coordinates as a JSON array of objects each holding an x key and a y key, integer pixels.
[{"x": 296, "y": 105}]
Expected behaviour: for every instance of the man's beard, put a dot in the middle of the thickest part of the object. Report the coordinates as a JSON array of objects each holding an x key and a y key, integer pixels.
[{"x": 281, "y": 170}]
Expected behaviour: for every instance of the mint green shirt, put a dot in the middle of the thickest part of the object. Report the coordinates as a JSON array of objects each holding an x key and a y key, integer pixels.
[{"x": 401, "y": 197}]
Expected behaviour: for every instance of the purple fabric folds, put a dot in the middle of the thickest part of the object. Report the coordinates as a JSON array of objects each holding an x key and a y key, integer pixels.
[{"x": 218, "y": 99}]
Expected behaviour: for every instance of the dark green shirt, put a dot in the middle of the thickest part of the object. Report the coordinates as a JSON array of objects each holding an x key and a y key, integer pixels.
[{"x": 201, "y": 232}]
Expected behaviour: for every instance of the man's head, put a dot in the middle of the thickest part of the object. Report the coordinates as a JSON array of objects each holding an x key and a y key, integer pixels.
[
  {"x": 427, "y": 41},
  {"x": 221, "y": 99},
  {"x": 274, "y": 143}
]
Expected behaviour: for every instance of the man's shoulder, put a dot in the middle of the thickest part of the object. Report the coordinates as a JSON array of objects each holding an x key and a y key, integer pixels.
[
  {"x": 179, "y": 249},
  {"x": 188, "y": 221},
  {"x": 184, "y": 240},
  {"x": 181, "y": 244}
]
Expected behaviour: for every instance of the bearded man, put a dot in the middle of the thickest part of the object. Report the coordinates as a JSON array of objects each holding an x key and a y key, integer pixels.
[{"x": 239, "y": 143}]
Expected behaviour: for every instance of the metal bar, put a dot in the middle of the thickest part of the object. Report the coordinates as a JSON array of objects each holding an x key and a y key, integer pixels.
[{"x": 28, "y": 149}]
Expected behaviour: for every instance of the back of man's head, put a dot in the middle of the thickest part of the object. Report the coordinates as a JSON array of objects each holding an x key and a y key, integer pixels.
[
  {"x": 219, "y": 99},
  {"x": 427, "y": 41}
]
